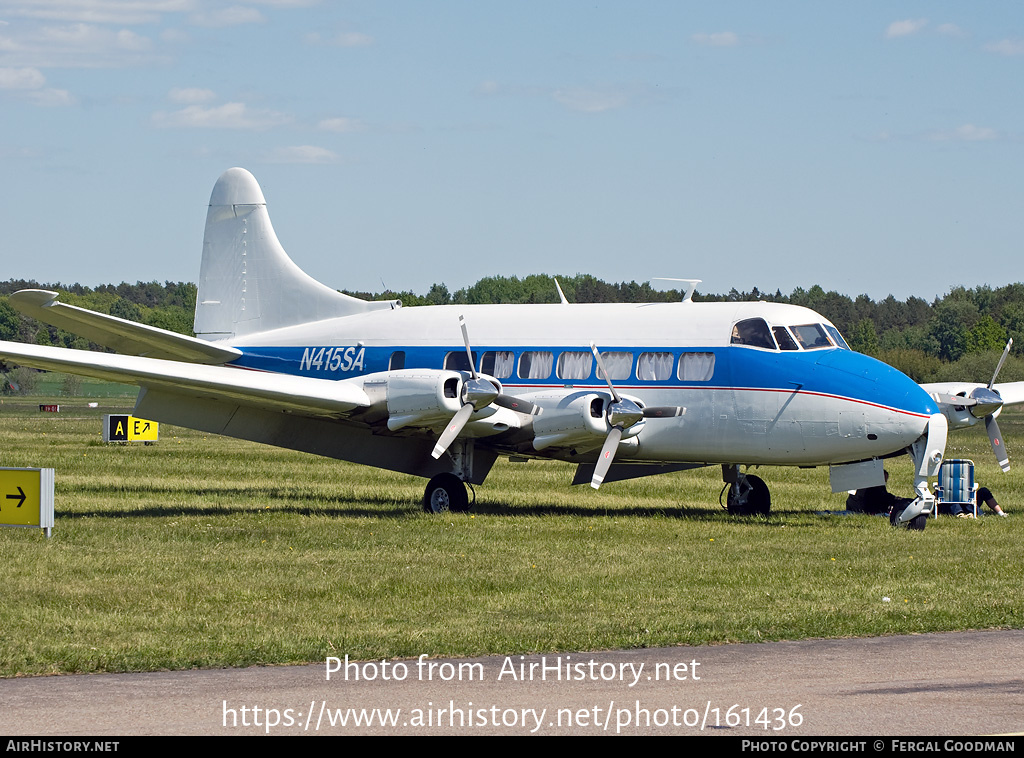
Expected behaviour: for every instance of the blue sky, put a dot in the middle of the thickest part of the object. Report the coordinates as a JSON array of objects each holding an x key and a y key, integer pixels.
[{"x": 868, "y": 147}]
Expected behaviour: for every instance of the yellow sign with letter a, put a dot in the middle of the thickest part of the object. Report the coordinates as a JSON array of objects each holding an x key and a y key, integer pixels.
[{"x": 125, "y": 428}]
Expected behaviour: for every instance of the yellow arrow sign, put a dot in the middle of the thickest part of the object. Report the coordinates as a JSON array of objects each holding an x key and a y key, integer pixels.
[{"x": 26, "y": 497}]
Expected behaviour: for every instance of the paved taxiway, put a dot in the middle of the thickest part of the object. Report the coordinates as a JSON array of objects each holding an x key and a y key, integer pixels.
[{"x": 964, "y": 683}]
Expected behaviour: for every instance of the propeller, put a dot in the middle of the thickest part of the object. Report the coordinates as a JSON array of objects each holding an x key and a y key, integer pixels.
[
  {"x": 988, "y": 404},
  {"x": 477, "y": 394},
  {"x": 622, "y": 413},
  {"x": 984, "y": 403}
]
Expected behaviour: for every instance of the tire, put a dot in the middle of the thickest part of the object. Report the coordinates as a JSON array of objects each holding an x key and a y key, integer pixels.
[
  {"x": 445, "y": 492},
  {"x": 756, "y": 501},
  {"x": 917, "y": 524}
]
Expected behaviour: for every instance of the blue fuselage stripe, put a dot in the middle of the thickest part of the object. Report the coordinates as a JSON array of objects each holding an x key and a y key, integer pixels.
[{"x": 830, "y": 372}]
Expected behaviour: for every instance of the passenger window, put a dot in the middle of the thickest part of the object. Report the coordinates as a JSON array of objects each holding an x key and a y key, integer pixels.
[
  {"x": 397, "y": 361},
  {"x": 654, "y": 367},
  {"x": 753, "y": 332},
  {"x": 811, "y": 336},
  {"x": 574, "y": 365},
  {"x": 498, "y": 364},
  {"x": 535, "y": 364},
  {"x": 696, "y": 367},
  {"x": 457, "y": 361},
  {"x": 784, "y": 338},
  {"x": 619, "y": 365}
]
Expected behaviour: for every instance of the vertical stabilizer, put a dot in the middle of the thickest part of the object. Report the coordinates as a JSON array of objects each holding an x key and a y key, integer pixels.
[{"x": 247, "y": 282}]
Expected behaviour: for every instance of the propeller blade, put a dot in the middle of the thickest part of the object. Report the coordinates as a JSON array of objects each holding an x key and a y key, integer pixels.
[
  {"x": 997, "y": 443},
  {"x": 454, "y": 427},
  {"x": 663, "y": 411},
  {"x": 607, "y": 456},
  {"x": 600, "y": 365},
  {"x": 515, "y": 404},
  {"x": 469, "y": 350},
  {"x": 1002, "y": 360}
]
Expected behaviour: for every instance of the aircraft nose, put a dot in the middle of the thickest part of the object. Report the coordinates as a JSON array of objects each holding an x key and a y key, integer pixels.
[{"x": 881, "y": 384}]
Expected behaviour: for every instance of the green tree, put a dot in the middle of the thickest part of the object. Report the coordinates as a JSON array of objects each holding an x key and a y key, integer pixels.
[
  {"x": 985, "y": 335},
  {"x": 863, "y": 337},
  {"x": 951, "y": 325}
]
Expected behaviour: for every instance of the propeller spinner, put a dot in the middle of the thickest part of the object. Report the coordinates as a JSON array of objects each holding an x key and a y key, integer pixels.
[
  {"x": 477, "y": 394},
  {"x": 622, "y": 413}
]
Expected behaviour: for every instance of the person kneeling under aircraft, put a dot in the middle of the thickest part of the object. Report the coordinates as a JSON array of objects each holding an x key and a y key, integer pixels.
[{"x": 877, "y": 501}]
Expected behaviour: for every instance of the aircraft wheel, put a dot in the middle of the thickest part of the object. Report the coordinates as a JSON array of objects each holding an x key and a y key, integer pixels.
[
  {"x": 753, "y": 497},
  {"x": 445, "y": 492},
  {"x": 917, "y": 524}
]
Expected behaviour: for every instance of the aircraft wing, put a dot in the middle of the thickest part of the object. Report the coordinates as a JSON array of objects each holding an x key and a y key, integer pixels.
[
  {"x": 951, "y": 393},
  {"x": 964, "y": 404},
  {"x": 121, "y": 335},
  {"x": 1011, "y": 392},
  {"x": 266, "y": 391}
]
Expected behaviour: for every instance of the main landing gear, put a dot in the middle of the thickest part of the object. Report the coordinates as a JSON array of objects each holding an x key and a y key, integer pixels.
[
  {"x": 927, "y": 453},
  {"x": 748, "y": 494},
  {"x": 445, "y": 492}
]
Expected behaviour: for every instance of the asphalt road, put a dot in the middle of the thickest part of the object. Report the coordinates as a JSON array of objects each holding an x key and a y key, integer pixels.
[{"x": 965, "y": 683}]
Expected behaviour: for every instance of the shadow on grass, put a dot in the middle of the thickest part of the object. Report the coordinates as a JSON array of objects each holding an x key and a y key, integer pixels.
[{"x": 294, "y": 500}]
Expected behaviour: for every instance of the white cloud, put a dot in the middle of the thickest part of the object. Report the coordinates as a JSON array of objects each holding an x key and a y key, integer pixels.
[
  {"x": 717, "y": 39},
  {"x": 78, "y": 45},
  {"x": 227, "y": 116},
  {"x": 286, "y": 3},
  {"x": 96, "y": 11},
  {"x": 1009, "y": 47},
  {"x": 21, "y": 78},
  {"x": 302, "y": 154},
  {"x": 129, "y": 40},
  {"x": 906, "y": 27},
  {"x": 52, "y": 98},
  {"x": 966, "y": 133},
  {"x": 587, "y": 100},
  {"x": 174, "y": 36},
  {"x": 190, "y": 95},
  {"x": 341, "y": 39},
  {"x": 341, "y": 125},
  {"x": 353, "y": 39},
  {"x": 950, "y": 30},
  {"x": 235, "y": 15},
  {"x": 582, "y": 99},
  {"x": 28, "y": 83}
]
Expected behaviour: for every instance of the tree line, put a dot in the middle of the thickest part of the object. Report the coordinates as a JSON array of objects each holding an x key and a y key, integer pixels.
[{"x": 955, "y": 337}]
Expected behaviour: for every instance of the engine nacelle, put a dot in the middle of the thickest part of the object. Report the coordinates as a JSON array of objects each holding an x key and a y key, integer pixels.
[
  {"x": 582, "y": 421},
  {"x": 985, "y": 402},
  {"x": 422, "y": 397}
]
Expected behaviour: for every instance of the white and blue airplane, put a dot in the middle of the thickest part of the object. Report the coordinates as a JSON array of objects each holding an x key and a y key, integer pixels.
[{"x": 621, "y": 390}]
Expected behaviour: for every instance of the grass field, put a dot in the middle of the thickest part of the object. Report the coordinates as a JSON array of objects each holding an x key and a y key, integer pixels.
[{"x": 202, "y": 551}]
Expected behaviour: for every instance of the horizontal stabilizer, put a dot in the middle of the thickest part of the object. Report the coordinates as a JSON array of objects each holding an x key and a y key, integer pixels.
[
  {"x": 276, "y": 392},
  {"x": 128, "y": 337}
]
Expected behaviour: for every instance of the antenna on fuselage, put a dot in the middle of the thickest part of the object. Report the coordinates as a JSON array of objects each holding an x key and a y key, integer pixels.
[
  {"x": 691, "y": 285},
  {"x": 561, "y": 295}
]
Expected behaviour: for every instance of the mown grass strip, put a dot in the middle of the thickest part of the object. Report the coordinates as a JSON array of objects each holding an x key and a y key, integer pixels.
[{"x": 203, "y": 551}]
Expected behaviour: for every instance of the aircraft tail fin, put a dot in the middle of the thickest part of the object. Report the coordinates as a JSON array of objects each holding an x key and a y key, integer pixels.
[{"x": 247, "y": 282}]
